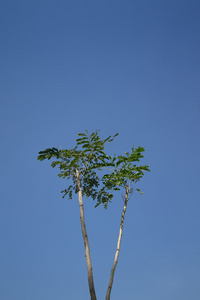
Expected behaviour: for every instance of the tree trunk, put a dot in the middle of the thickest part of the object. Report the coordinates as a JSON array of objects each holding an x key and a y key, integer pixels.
[
  {"x": 85, "y": 238},
  {"x": 118, "y": 246}
]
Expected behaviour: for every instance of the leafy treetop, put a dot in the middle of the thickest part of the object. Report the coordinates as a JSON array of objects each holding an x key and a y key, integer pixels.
[
  {"x": 87, "y": 156},
  {"x": 124, "y": 173}
]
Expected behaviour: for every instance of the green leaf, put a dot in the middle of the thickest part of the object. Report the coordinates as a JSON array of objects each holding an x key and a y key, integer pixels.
[
  {"x": 55, "y": 163},
  {"x": 139, "y": 191},
  {"x": 82, "y": 139},
  {"x": 86, "y": 145},
  {"x": 82, "y": 134}
]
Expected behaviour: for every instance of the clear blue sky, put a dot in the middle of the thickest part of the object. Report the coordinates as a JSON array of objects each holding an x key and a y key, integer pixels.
[{"x": 131, "y": 67}]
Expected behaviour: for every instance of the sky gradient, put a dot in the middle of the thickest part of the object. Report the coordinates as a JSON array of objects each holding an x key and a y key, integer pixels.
[{"x": 131, "y": 67}]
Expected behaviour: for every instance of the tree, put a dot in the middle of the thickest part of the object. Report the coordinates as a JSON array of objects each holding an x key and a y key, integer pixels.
[
  {"x": 124, "y": 174},
  {"x": 79, "y": 164}
]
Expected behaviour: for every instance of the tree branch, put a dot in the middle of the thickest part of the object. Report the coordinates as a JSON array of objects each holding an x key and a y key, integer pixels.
[
  {"x": 85, "y": 166},
  {"x": 127, "y": 187},
  {"x": 85, "y": 239}
]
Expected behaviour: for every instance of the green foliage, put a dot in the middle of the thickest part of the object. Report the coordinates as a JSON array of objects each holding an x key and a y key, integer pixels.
[
  {"x": 124, "y": 173},
  {"x": 139, "y": 191},
  {"x": 90, "y": 184},
  {"x": 88, "y": 157},
  {"x": 48, "y": 153}
]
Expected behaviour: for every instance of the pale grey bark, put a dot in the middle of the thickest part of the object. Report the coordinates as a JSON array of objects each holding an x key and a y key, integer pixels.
[
  {"x": 85, "y": 239},
  {"x": 118, "y": 245}
]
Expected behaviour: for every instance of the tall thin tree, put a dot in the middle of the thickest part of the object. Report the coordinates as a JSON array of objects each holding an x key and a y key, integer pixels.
[
  {"x": 80, "y": 164},
  {"x": 123, "y": 175}
]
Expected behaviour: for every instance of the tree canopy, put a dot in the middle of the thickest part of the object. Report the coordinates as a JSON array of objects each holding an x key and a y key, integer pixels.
[{"x": 81, "y": 165}]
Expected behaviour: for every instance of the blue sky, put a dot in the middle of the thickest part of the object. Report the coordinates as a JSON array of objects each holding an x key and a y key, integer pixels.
[{"x": 131, "y": 67}]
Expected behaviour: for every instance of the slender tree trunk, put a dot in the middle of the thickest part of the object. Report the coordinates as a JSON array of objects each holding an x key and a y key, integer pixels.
[
  {"x": 85, "y": 238},
  {"x": 118, "y": 246}
]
